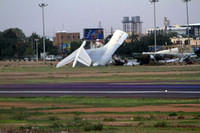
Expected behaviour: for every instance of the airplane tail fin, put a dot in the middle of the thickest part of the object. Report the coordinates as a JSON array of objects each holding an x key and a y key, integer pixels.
[
  {"x": 82, "y": 56},
  {"x": 79, "y": 55}
]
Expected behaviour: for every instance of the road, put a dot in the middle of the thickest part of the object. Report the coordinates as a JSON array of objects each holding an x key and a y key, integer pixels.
[{"x": 102, "y": 89}]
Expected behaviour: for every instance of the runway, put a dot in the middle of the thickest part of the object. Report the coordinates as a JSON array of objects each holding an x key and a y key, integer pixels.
[{"x": 102, "y": 89}]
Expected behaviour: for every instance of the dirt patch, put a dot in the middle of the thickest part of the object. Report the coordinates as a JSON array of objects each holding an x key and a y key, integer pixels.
[{"x": 163, "y": 108}]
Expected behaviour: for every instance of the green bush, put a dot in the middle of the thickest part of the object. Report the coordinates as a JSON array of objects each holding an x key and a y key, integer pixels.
[
  {"x": 140, "y": 118},
  {"x": 196, "y": 117},
  {"x": 109, "y": 119},
  {"x": 98, "y": 127},
  {"x": 181, "y": 117},
  {"x": 160, "y": 124},
  {"x": 93, "y": 127},
  {"x": 144, "y": 59},
  {"x": 172, "y": 114},
  {"x": 20, "y": 116},
  {"x": 78, "y": 122},
  {"x": 53, "y": 118},
  {"x": 140, "y": 124},
  {"x": 25, "y": 127},
  {"x": 56, "y": 125}
]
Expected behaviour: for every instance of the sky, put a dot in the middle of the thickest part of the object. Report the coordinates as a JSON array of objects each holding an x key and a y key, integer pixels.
[{"x": 75, "y": 15}]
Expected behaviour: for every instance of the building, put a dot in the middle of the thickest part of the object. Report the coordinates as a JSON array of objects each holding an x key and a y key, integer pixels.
[
  {"x": 62, "y": 37},
  {"x": 132, "y": 25},
  {"x": 184, "y": 41},
  {"x": 194, "y": 30}
]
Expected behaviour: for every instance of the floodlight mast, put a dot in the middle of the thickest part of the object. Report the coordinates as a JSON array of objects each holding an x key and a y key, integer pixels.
[
  {"x": 43, "y": 5},
  {"x": 187, "y": 14},
  {"x": 36, "y": 42},
  {"x": 155, "y": 38}
]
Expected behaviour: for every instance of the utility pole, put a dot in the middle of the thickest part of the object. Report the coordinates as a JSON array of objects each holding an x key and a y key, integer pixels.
[
  {"x": 43, "y": 5},
  {"x": 36, "y": 42},
  {"x": 188, "y": 32},
  {"x": 155, "y": 37},
  {"x": 100, "y": 24},
  {"x": 187, "y": 13}
]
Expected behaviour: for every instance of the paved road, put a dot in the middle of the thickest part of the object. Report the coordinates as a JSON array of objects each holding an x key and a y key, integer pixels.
[{"x": 103, "y": 89}]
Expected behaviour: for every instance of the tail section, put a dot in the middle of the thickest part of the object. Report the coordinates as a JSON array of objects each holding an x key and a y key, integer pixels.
[
  {"x": 79, "y": 55},
  {"x": 82, "y": 56}
]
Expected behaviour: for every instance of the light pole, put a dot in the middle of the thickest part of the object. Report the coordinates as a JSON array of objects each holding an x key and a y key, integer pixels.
[
  {"x": 43, "y": 5},
  {"x": 155, "y": 39},
  {"x": 187, "y": 13},
  {"x": 36, "y": 42}
]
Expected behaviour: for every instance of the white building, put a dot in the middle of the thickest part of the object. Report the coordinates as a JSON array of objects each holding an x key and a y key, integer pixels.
[{"x": 194, "y": 30}]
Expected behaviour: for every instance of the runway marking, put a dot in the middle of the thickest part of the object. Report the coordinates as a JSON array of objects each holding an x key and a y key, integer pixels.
[{"x": 98, "y": 92}]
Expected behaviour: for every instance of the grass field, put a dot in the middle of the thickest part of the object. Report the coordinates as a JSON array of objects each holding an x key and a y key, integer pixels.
[
  {"x": 98, "y": 114},
  {"x": 111, "y": 115},
  {"x": 19, "y": 73}
]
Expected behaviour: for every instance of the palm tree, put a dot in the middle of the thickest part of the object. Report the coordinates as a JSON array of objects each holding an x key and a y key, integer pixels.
[{"x": 155, "y": 41}]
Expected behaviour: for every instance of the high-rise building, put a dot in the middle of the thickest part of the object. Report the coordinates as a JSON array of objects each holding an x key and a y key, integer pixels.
[
  {"x": 132, "y": 25},
  {"x": 166, "y": 23}
]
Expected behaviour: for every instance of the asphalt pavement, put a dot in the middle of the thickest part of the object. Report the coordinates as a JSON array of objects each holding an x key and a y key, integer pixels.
[{"x": 102, "y": 89}]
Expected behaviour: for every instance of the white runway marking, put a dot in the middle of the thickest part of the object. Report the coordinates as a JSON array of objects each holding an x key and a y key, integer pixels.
[{"x": 98, "y": 92}]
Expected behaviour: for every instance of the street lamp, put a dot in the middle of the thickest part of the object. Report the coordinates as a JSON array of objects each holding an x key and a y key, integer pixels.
[
  {"x": 36, "y": 42},
  {"x": 187, "y": 13},
  {"x": 43, "y": 5},
  {"x": 155, "y": 41}
]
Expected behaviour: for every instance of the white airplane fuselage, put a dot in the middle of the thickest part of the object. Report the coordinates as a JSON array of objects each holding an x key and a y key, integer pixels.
[
  {"x": 101, "y": 56},
  {"x": 96, "y": 56}
]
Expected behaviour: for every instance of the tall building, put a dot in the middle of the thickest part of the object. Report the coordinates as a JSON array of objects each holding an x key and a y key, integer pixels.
[
  {"x": 132, "y": 25},
  {"x": 166, "y": 23}
]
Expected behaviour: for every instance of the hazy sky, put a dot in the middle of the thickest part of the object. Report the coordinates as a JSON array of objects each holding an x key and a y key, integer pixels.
[{"x": 74, "y": 15}]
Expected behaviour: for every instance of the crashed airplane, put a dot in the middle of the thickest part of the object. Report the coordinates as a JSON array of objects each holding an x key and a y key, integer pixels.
[
  {"x": 97, "y": 56},
  {"x": 180, "y": 57}
]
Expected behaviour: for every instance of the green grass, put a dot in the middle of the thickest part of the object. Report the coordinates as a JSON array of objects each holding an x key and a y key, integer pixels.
[
  {"x": 142, "y": 122},
  {"x": 113, "y": 71},
  {"x": 100, "y": 69},
  {"x": 115, "y": 78},
  {"x": 102, "y": 101}
]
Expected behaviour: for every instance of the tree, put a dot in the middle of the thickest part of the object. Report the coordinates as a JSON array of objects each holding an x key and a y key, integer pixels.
[
  {"x": 2, "y": 43},
  {"x": 74, "y": 46},
  {"x": 50, "y": 49},
  {"x": 12, "y": 43},
  {"x": 142, "y": 44}
]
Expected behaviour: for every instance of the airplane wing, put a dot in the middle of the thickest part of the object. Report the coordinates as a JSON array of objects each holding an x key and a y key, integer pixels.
[
  {"x": 173, "y": 51},
  {"x": 80, "y": 55}
]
